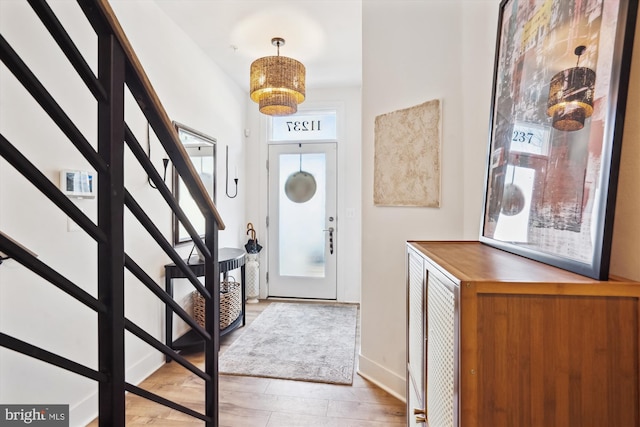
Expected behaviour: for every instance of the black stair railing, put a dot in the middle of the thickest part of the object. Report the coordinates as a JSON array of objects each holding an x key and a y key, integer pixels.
[{"x": 118, "y": 67}]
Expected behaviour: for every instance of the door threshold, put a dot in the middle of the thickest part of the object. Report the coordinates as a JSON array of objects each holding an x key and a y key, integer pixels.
[{"x": 310, "y": 300}]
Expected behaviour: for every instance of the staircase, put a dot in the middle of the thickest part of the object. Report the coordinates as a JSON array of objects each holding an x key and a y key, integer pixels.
[{"x": 119, "y": 74}]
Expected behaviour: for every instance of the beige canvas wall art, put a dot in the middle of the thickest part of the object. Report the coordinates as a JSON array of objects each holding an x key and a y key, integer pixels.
[{"x": 407, "y": 156}]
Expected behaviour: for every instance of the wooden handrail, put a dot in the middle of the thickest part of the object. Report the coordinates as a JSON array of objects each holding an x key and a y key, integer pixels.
[{"x": 149, "y": 102}]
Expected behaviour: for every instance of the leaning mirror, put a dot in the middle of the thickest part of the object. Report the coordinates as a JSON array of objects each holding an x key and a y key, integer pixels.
[{"x": 202, "y": 152}]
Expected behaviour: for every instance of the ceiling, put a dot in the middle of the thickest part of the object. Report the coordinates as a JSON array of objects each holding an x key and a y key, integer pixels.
[{"x": 325, "y": 35}]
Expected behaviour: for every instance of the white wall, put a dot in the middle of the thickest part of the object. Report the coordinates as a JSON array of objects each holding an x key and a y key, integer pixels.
[
  {"x": 445, "y": 49},
  {"x": 195, "y": 92},
  {"x": 414, "y": 52},
  {"x": 625, "y": 247},
  {"x": 348, "y": 103}
]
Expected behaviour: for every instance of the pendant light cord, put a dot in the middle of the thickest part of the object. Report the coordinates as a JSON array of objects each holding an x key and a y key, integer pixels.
[{"x": 579, "y": 50}]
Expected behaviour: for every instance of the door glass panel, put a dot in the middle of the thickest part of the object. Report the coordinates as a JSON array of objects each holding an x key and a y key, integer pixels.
[{"x": 302, "y": 239}]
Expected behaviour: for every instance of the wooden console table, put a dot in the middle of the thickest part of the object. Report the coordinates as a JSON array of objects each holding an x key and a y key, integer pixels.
[{"x": 228, "y": 259}]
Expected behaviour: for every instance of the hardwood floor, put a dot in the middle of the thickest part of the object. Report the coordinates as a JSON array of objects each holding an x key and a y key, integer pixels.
[{"x": 264, "y": 402}]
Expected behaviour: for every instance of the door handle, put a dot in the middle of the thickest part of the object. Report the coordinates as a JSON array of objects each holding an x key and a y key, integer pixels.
[
  {"x": 421, "y": 416},
  {"x": 330, "y": 230}
]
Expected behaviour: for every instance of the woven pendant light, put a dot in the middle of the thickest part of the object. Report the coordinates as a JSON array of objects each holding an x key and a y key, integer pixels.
[{"x": 277, "y": 83}]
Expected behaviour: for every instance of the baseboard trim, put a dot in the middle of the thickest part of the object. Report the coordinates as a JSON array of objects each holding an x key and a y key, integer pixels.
[
  {"x": 145, "y": 367},
  {"x": 389, "y": 381},
  {"x": 87, "y": 410},
  {"x": 84, "y": 412}
]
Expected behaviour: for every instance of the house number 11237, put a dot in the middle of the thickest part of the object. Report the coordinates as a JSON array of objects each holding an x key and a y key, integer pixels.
[{"x": 303, "y": 126}]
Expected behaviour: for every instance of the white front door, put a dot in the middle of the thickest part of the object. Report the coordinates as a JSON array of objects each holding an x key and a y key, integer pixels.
[{"x": 302, "y": 246}]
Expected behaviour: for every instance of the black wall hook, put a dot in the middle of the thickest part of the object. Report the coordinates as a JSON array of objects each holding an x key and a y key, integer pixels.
[
  {"x": 226, "y": 181},
  {"x": 165, "y": 161}
]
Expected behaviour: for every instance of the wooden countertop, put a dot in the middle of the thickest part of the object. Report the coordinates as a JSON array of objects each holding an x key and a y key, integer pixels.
[{"x": 473, "y": 261}]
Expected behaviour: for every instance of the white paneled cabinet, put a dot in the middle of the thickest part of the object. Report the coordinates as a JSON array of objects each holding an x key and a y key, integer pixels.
[
  {"x": 416, "y": 350},
  {"x": 432, "y": 325}
]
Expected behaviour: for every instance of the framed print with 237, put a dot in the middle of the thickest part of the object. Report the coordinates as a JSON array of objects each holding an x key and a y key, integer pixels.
[{"x": 559, "y": 96}]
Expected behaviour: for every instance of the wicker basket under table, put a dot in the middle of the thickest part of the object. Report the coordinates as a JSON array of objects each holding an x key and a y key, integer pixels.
[{"x": 230, "y": 304}]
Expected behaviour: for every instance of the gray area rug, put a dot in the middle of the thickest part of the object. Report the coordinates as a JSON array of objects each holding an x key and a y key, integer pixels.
[{"x": 306, "y": 342}]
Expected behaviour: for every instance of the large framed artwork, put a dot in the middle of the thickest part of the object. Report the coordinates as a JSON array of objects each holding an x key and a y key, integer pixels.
[
  {"x": 559, "y": 95},
  {"x": 406, "y": 164}
]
